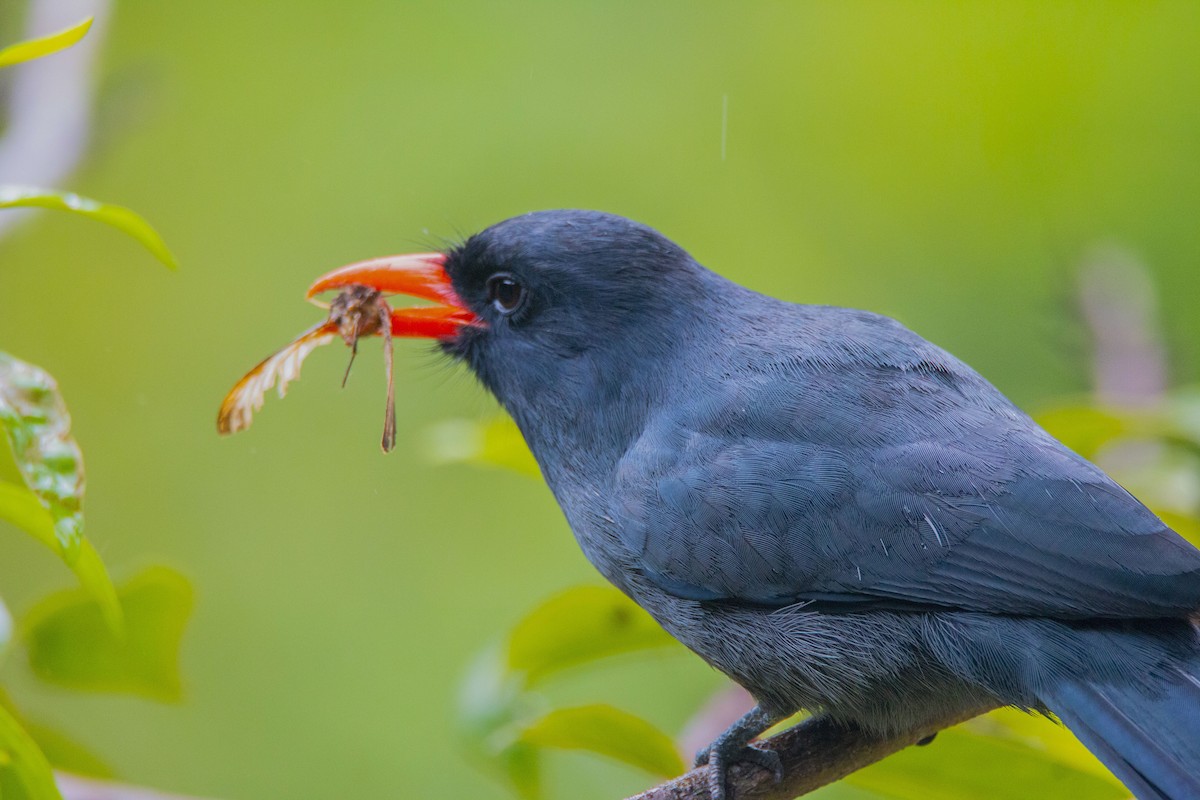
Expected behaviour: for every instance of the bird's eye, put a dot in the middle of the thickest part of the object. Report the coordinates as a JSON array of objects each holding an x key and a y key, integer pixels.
[{"x": 504, "y": 293}]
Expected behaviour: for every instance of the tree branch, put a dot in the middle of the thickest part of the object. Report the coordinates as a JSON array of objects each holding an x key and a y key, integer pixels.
[{"x": 816, "y": 752}]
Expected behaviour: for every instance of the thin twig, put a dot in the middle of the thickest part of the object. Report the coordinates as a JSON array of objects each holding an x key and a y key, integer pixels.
[{"x": 815, "y": 753}]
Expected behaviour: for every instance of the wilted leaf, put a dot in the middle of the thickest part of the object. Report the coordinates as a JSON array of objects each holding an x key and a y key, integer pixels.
[
  {"x": 24, "y": 771},
  {"x": 610, "y": 732},
  {"x": 69, "y": 643},
  {"x": 496, "y": 442},
  {"x": 960, "y": 763},
  {"x": 118, "y": 217},
  {"x": 35, "y": 419},
  {"x": 43, "y": 46},
  {"x": 579, "y": 625},
  {"x": 21, "y": 508}
]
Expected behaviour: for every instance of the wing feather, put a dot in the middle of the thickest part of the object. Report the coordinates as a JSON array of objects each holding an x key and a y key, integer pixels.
[{"x": 885, "y": 504}]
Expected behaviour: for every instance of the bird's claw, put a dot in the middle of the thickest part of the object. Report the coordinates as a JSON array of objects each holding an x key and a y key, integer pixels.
[{"x": 720, "y": 762}]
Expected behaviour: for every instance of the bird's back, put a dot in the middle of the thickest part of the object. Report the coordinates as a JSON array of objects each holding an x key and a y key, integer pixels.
[{"x": 833, "y": 456}]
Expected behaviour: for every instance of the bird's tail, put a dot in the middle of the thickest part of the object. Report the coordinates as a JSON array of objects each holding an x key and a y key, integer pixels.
[{"x": 1147, "y": 733}]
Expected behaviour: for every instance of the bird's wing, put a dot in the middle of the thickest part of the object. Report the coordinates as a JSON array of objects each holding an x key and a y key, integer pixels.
[{"x": 907, "y": 492}]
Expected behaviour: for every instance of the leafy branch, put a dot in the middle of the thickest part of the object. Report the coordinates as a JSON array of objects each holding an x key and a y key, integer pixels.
[
  {"x": 98, "y": 637},
  {"x": 503, "y": 719},
  {"x": 118, "y": 217}
]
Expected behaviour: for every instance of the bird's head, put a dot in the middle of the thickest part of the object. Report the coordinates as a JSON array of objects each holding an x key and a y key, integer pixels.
[{"x": 556, "y": 312}]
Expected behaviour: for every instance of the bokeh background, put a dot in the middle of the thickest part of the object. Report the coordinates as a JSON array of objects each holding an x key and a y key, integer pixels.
[{"x": 950, "y": 164}]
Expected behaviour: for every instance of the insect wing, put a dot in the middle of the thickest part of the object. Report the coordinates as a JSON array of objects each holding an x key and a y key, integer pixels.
[{"x": 247, "y": 395}]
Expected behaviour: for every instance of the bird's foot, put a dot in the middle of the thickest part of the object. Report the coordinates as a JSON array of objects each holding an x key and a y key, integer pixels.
[
  {"x": 719, "y": 759},
  {"x": 733, "y": 746}
]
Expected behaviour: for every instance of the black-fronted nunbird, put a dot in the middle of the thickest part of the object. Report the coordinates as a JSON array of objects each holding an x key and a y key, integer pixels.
[{"x": 834, "y": 512}]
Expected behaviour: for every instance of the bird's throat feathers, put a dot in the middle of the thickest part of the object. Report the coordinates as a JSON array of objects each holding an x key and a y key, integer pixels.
[{"x": 557, "y": 405}]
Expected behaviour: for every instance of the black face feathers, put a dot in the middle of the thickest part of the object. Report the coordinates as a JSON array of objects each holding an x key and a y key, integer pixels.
[
  {"x": 597, "y": 264},
  {"x": 553, "y": 287}
]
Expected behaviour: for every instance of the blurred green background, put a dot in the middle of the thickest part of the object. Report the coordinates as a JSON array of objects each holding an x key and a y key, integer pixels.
[{"x": 947, "y": 163}]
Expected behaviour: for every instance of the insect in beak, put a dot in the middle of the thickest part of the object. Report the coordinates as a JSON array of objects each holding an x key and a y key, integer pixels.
[{"x": 359, "y": 309}]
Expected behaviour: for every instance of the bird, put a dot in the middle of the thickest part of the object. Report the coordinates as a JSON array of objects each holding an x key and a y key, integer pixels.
[{"x": 831, "y": 510}]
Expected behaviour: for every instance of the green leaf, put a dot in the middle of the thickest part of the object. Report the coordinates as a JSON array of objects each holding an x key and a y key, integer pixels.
[
  {"x": 522, "y": 768},
  {"x": 841, "y": 790},
  {"x": 503, "y": 725},
  {"x": 490, "y": 699},
  {"x": 611, "y": 732},
  {"x": 580, "y": 625},
  {"x": 1183, "y": 410},
  {"x": 70, "y": 645},
  {"x": 21, "y": 508},
  {"x": 65, "y": 753},
  {"x": 117, "y": 216},
  {"x": 491, "y": 706},
  {"x": 24, "y": 771},
  {"x": 962, "y": 763},
  {"x": 1185, "y": 525},
  {"x": 1085, "y": 429},
  {"x": 60, "y": 750},
  {"x": 43, "y": 46},
  {"x": 1043, "y": 734},
  {"x": 35, "y": 419},
  {"x": 495, "y": 442}
]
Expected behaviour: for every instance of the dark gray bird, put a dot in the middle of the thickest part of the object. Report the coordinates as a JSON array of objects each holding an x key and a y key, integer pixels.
[{"x": 834, "y": 512}]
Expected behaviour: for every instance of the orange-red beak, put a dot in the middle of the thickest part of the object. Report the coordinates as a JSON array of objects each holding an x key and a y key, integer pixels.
[{"x": 420, "y": 275}]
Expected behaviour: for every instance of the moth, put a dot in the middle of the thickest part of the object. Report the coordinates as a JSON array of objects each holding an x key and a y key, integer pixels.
[{"x": 359, "y": 309}]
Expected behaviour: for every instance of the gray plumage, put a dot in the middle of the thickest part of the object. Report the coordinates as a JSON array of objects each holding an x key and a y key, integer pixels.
[{"x": 831, "y": 510}]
